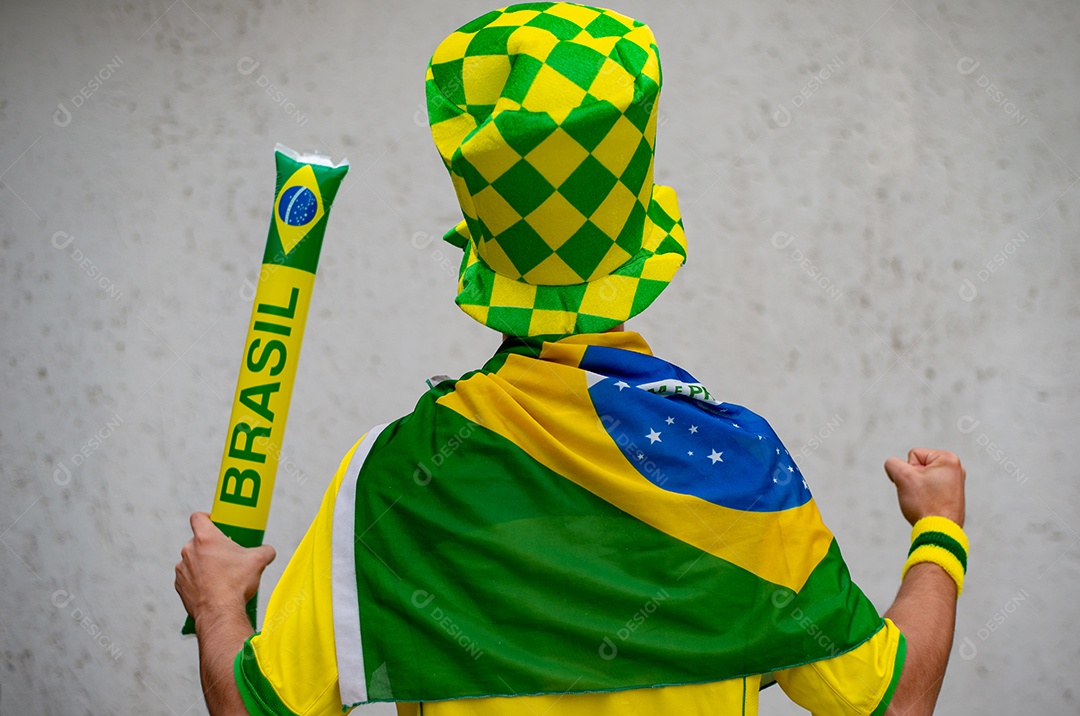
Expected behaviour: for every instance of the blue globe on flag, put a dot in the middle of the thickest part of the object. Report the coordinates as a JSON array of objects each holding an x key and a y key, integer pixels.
[{"x": 298, "y": 206}]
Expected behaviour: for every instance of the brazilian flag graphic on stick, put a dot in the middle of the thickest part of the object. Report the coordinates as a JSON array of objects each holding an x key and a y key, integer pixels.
[{"x": 579, "y": 516}]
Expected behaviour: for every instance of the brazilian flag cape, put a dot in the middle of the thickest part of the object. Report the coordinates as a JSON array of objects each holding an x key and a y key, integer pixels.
[{"x": 579, "y": 516}]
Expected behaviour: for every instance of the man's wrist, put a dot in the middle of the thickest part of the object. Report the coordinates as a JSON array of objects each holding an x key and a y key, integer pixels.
[
  {"x": 218, "y": 611},
  {"x": 954, "y": 516}
]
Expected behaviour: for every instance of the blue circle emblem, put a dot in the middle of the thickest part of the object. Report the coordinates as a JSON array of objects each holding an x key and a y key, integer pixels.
[{"x": 297, "y": 206}]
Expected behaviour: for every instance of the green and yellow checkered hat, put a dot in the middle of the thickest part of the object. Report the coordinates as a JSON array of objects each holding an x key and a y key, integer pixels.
[{"x": 545, "y": 116}]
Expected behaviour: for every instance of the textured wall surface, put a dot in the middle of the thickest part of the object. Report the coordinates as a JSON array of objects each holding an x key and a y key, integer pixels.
[{"x": 882, "y": 206}]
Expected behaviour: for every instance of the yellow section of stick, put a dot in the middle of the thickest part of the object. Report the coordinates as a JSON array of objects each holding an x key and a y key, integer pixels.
[{"x": 261, "y": 404}]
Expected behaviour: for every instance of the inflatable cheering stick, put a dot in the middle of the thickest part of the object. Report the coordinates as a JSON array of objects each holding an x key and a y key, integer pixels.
[{"x": 306, "y": 186}]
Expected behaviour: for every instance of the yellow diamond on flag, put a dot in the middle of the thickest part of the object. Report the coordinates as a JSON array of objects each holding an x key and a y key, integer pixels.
[{"x": 298, "y": 207}]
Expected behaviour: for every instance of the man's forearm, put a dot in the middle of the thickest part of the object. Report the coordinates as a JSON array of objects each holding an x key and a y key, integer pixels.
[
  {"x": 222, "y": 633},
  {"x": 925, "y": 611},
  {"x": 215, "y": 577}
]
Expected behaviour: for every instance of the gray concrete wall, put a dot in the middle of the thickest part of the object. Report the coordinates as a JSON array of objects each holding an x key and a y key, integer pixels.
[{"x": 882, "y": 210}]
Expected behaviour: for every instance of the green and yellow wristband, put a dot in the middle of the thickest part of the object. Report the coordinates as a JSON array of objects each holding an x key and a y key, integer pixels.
[{"x": 943, "y": 542}]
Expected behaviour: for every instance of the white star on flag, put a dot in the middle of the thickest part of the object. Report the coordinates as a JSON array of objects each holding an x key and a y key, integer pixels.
[
  {"x": 715, "y": 457},
  {"x": 653, "y": 436},
  {"x": 690, "y": 453},
  {"x": 620, "y": 385},
  {"x": 790, "y": 468},
  {"x": 693, "y": 428},
  {"x": 734, "y": 425},
  {"x": 670, "y": 421}
]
